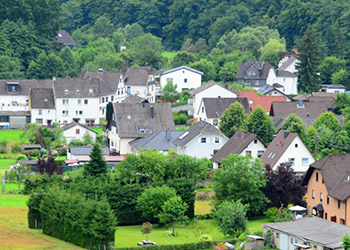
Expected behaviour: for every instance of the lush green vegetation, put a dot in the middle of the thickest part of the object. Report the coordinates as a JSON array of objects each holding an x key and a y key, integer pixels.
[{"x": 12, "y": 136}]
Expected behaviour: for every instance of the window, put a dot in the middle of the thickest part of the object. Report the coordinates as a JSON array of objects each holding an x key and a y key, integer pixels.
[
  {"x": 325, "y": 216},
  {"x": 291, "y": 160},
  {"x": 313, "y": 194},
  {"x": 79, "y": 101},
  {"x": 203, "y": 140},
  {"x": 202, "y": 109},
  {"x": 86, "y": 101},
  {"x": 342, "y": 221},
  {"x": 260, "y": 153},
  {"x": 65, "y": 101},
  {"x": 78, "y": 112},
  {"x": 338, "y": 203},
  {"x": 39, "y": 121},
  {"x": 316, "y": 176},
  {"x": 40, "y": 112},
  {"x": 277, "y": 235},
  {"x": 128, "y": 90},
  {"x": 112, "y": 98},
  {"x": 217, "y": 140},
  {"x": 255, "y": 141},
  {"x": 103, "y": 99},
  {"x": 169, "y": 80},
  {"x": 107, "y": 99},
  {"x": 90, "y": 122},
  {"x": 296, "y": 145},
  {"x": 64, "y": 112},
  {"x": 327, "y": 199},
  {"x": 321, "y": 197},
  {"x": 215, "y": 122},
  {"x": 77, "y": 131},
  {"x": 305, "y": 161},
  {"x": 185, "y": 80},
  {"x": 248, "y": 153}
]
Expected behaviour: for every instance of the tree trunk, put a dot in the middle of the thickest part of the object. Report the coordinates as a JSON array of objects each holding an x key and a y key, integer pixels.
[{"x": 173, "y": 228}]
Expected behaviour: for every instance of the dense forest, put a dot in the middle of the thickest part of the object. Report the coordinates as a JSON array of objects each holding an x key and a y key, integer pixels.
[{"x": 214, "y": 36}]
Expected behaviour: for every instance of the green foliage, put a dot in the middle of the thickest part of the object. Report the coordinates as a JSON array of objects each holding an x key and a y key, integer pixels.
[
  {"x": 341, "y": 102},
  {"x": 149, "y": 203},
  {"x": 3, "y": 146},
  {"x": 34, "y": 217},
  {"x": 328, "y": 120},
  {"x": 18, "y": 174},
  {"x": 261, "y": 124},
  {"x": 270, "y": 51},
  {"x": 241, "y": 178},
  {"x": 205, "y": 66},
  {"x": 88, "y": 140},
  {"x": 294, "y": 124},
  {"x": 180, "y": 118},
  {"x": 232, "y": 218},
  {"x": 16, "y": 148},
  {"x": 328, "y": 67},
  {"x": 346, "y": 242},
  {"x": 232, "y": 119},
  {"x": 275, "y": 215},
  {"x": 146, "y": 228},
  {"x": 169, "y": 92},
  {"x": 45, "y": 67},
  {"x": 97, "y": 165},
  {"x": 173, "y": 211}
]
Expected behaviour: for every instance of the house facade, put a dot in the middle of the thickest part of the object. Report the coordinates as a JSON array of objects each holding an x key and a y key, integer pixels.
[
  {"x": 209, "y": 90},
  {"x": 183, "y": 77},
  {"x": 76, "y": 131},
  {"x": 256, "y": 74},
  {"x": 202, "y": 140},
  {"x": 42, "y": 106},
  {"x": 288, "y": 147}
]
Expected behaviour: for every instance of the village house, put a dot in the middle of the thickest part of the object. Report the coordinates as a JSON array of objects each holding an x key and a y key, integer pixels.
[
  {"x": 286, "y": 74},
  {"x": 274, "y": 90},
  {"x": 333, "y": 88},
  {"x": 328, "y": 188},
  {"x": 211, "y": 109},
  {"x": 288, "y": 147},
  {"x": 183, "y": 77},
  {"x": 42, "y": 106},
  {"x": 256, "y": 100},
  {"x": 65, "y": 39},
  {"x": 256, "y": 74},
  {"x": 241, "y": 143},
  {"x": 209, "y": 90},
  {"x": 200, "y": 140},
  {"x": 130, "y": 121},
  {"x": 310, "y": 233},
  {"x": 77, "y": 131}
]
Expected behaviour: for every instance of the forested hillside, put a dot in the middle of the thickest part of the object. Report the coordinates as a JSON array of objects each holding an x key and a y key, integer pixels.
[{"x": 215, "y": 35}]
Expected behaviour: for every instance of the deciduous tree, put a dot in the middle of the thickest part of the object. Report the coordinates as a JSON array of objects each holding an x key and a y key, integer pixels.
[{"x": 232, "y": 119}]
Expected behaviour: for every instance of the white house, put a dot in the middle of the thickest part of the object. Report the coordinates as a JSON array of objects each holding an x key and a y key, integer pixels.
[
  {"x": 241, "y": 143},
  {"x": 77, "y": 99},
  {"x": 42, "y": 106},
  {"x": 209, "y": 90},
  {"x": 333, "y": 88},
  {"x": 183, "y": 77},
  {"x": 76, "y": 131},
  {"x": 130, "y": 121},
  {"x": 286, "y": 74},
  {"x": 81, "y": 152},
  {"x": 201, "y": 140},
  {"x": 211, "y": 109},
  {"x": 288, "y": 147}
]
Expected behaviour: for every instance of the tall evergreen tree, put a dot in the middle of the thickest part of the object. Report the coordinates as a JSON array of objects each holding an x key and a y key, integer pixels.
[
  {"x": 309, "y": 62},
  {"x": 97, "y": 165}
]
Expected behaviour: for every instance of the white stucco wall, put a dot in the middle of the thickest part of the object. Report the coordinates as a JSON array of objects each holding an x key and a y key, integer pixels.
[
  {"x": 335, "y": 90},
  {"x": 46, "y": 115},
  {"x": 104, "y": 100},
  {"x": 297, "y": 153},
  {"x": 254, "y": 147},
  {"x": 290, "y": 84},
  {"x": 71, "y": 134},
  {"x": 13, "y": 103},
  {"x": 212, "y": 92},
  {"x": 91, "y": 111},
  {"x": 194, "y": 80},
  {"x": 271, "y": 79},
  {"x": 197, "y": 149}
]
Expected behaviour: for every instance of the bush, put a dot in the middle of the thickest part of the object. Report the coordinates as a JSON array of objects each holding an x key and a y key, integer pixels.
[
  {"x": 34, "y": 217},
  {"x": 180, "y": 119},
  {"x": 21, "y": 158},
  {"x": 33, "y": 153},
  {"x": 275, "y": 215},
  {"x": 16, "y": 148},
  {"x": 63, "y": 152},
  {"x": 3, "y": 146},
  {"x": 35, "y": 182}
]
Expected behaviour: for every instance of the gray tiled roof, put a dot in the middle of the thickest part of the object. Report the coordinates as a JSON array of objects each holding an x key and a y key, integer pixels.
[
  {"x": 264, "y": 67},
  {"x": 325, "y": 232},
  {"x": 24, "y": 86},
  {"x": 309, "y": 109},
  {"x": 14, "y": 113},
  {"x": 161, "y": 140},
  {"x": 137, "y": 76},
  {"x": 215, "y": 107},
  {"x": 85, "y": 150},
  {"x": 290, "y": 60},
  {"x": 64, "y": 38},
  {"x": 134, "y": 120},
  {"x": 181, "y": 68},
  {"x": 134, "y": 99},
  {"x": 76, "y": 88},
  {"x": 284, "y": 73},
  {"x": 237, "y": 143},
  {"x": 194, "y": 131},
  {"x": 73, "y": 124},
  {"x": 203, "y": 87},
  {"x": 41, "y": 98},
  {"x": 110, "y": 77}
]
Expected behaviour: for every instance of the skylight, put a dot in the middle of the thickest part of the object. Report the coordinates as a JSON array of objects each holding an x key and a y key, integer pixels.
[{"x": 183, "y": 135}]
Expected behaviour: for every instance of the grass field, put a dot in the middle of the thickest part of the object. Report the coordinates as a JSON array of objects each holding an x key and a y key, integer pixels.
[
  {"x": 99, "y": 131},
  {"x": 169, "y": 55},
  {"x": 202, "y": 207},
  {"x": 12, "y": 136}
]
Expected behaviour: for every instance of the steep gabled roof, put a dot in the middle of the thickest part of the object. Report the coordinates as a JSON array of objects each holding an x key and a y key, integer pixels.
[
  {"x": 74, "y": 124},
  {"x": 181, "y": 68},
  {"x": 24, "y": 86},
  {"x": 64, "y": 38},
  {"x": 277, "y": 147},
  {"x": 263, "y": 67},
  {"x": 41, "y": 98},
  {"x": 307, "y": 109},
  {"x": 199, "y": 128},
  {"x": 237, "y": 143},
  {"x": 76, "y": 88},
  {"x": 268, "y": 89},
  {"x": 134, "y": 120},
  {"x": 284, "y": 73},
  {"x": 86, "y": 150},
  {"x": 290, "y": 61},
  {"x": 138, "y": 76},
  {"x": 335, "y": 171},
  {"x": 134, "y": 99},
  {"x": 203, "y": 87},
  {"x": 263, "y": 101},
  {"x": 161, "y": 140},
  {"x": 110, "y": 77},
  {"x": 215, "y": 107}
]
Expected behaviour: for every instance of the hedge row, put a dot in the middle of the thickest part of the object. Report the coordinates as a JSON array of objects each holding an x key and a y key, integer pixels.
[
  {"x": 72, "y": 218},
  {"x": 187, "y": 246}
]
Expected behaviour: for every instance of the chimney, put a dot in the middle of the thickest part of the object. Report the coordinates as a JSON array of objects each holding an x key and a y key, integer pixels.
[
  {"x": 142, "y": 104},
  {"x": 168, "y": 134},
  {"x": 152, "y": 112}
]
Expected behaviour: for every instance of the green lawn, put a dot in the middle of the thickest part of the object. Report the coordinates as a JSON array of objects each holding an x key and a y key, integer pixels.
[
  {"x": 5, "y": 163},
  {"x": 202, "y": 207},
  {"x": 169, "y": 55},
  {"x": 99, "y": 131},
  {"x": 12, "y": 135}
]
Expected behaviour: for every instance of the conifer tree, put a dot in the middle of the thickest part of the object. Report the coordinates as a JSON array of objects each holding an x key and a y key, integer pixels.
[
  {"x": 309, "y": 61},
  {"x": 97, "y": 165}
]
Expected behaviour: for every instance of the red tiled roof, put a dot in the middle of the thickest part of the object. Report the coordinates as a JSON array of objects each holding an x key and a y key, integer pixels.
[{"x": 262, "y": 101}]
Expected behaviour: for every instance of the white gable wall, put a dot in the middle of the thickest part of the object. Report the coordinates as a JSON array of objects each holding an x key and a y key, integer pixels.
[
  {"x": 77, "y": 133},
  {"x": 271, "y": 78},
  {"x": 298, "y": 153},
  {"x": 290, "y": 84},
  {"x": 254, "y": 149},
  {"x": 13, "y": 103},
  {"x": 194, "y": 80}
]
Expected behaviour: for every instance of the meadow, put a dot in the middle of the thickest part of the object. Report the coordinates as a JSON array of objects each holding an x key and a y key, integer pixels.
[{"x": 12, "y": 136}]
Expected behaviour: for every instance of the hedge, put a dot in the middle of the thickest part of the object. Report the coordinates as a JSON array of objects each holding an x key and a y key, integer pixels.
[
  {"x": 70, "y": 217},
  {"x": 187, "y": 246},
  {"x": 34, "y": 217},
  {"x": 180, "y": 103}
]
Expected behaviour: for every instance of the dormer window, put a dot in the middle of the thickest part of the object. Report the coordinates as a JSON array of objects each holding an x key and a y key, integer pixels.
[
  {"x": 12, "y": 87},
  {"x": 90, "y": 91},
  {"x": 66, "y": 91}
]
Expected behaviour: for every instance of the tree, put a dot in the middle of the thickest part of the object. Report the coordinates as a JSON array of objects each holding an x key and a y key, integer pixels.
[
  {"x": 341, "y": 102},
  {"x": 232, "y": 119},
  {"x": 329, "y": 120},
  {"x": 17, "y": 174},
  {"x": 88, "y": 140},
  {"x": 259, "y": 123},
  {"x": 102, "y": 27},
  {"x": 295, "y": 124},
  {"x": 97, "y": 165},
  {"x": 241, "y": 178},
  {"x": 270, "y": 51},
  {"x": 346, "y": 242},
  {"x": 232, "y": 218},
  {"x": 48, "y": 167},
  {"x": 328, "y": 67},
  {"x": 173, "y": 210},
  {"x": 309, "y": 62},
  {"x": 45, "y": 67},
  {"x": 182, "y": 58},
  {"x": 146, "y": 228},
  {"x": 207, "y": 67},
  {"x": 283, "y": 186},
  {"x": 10, "y": 68},
  {"x": 311, "y": 139},
  {"x": 169, "y": 92},
  {"x": 149, "y": 203}
]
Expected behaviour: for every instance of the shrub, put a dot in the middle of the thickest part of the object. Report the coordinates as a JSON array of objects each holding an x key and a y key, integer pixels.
[
  {"x": 16, "y": 148},
  {"x": 275, "y": 215},
  {"x": 63, "y": 152},
  {"x": 21, "y": 158},
  {"x": 180, "y": 119},
  {"x": 34, "y": 217},
  {"x": 3, "y": 146},
  {"x": 33, "y": 153}
]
